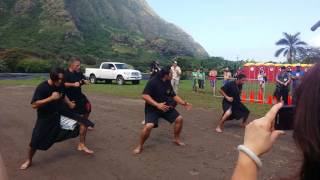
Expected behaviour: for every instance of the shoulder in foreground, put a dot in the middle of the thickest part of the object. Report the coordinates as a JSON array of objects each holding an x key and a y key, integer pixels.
[
  {"x": 152, "y": 81},
  {"x": 66, "y": 71},
  {"x": 230, "y": 82},
  {"x": 43, "y": 83}
]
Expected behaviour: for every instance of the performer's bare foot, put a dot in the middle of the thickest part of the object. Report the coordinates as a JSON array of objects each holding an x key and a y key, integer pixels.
[
  {"x": 82, "y": 147},
  {"x": 26, "y": 165},
  {"x": 138, "y": 150},
  {"x": 90, "y": 128},
  {"x": 179, "y": 143},
  {"x": 219, "y": 130},
  {"x": 143, "y": 122}
]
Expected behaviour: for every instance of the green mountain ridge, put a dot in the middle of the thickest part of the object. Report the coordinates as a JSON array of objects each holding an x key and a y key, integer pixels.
[{"x": 127, "y": 30}]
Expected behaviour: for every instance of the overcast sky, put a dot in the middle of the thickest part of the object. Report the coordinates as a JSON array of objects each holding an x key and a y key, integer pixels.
[{"x": 247, "y": 29}]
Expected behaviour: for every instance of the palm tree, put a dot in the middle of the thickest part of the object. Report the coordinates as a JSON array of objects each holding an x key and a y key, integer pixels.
[{"x": 293, "y": 45}]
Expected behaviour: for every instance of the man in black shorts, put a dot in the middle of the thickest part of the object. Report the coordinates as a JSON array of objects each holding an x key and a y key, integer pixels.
[
  {"x": 161, "y": 101},
  {"x": 74, "y": 79},
  {"x": 231, "y": 104}
]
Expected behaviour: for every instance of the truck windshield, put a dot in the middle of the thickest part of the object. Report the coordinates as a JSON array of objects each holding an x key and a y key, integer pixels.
[{"x": 122, "y": 66}]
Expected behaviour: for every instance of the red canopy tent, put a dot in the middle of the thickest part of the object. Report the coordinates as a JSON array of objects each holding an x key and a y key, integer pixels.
[{"x": 251, "y": 70}]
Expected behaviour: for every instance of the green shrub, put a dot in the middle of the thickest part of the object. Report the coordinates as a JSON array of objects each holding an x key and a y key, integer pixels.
[
  {"x": 11, "y": 59},
  {"x": 3, "y": 66},
  {"x": 89, "y": 60},
  {"x": 34, "y": 66}
]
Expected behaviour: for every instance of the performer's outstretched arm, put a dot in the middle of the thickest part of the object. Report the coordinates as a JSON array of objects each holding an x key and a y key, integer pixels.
[
  {"x": 39, "y": 103},
  {"x": 182, "y": 102}
]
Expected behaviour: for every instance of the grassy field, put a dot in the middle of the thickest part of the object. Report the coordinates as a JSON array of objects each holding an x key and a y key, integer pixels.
[{"x": 199, "y": 100}]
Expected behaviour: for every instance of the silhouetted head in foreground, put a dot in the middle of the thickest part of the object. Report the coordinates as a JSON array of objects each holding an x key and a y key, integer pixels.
[
  {"x": 307, "y": 124},
  {"x": 165, "y": 74},
  {"x": 241, "y": 79}
]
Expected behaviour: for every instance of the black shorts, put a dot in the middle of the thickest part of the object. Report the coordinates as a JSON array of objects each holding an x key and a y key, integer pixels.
[
  {"x": 83, "y": 106},
  {"x": 154, "y": 116},
  {"x": 280, "y": 92},
  {"x": 238, "y": 110},
  {"x": 201, "y": 84}
]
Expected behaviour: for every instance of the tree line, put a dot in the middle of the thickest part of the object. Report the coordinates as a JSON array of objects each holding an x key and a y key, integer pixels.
[
  {"x": 296, "y": 50},
  {"x": 293, "y": 49}
]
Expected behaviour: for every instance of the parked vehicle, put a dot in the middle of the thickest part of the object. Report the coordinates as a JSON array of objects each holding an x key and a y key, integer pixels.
[{"x": 110, "y": 71}]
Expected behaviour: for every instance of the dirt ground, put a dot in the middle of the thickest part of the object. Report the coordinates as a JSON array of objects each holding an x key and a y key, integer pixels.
[{"x": 208, "y": 155}]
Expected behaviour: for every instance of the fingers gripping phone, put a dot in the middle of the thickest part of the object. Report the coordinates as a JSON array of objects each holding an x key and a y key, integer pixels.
[{"x": 285, "y": 118}]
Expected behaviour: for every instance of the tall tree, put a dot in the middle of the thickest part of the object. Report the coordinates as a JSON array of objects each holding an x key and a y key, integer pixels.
[
  {"x": 292, "y": 45},
  {"x": 309, "y": 55}
]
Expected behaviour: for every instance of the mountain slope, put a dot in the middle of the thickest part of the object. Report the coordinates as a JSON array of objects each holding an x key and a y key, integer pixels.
[{"x": 117, "y": 29}]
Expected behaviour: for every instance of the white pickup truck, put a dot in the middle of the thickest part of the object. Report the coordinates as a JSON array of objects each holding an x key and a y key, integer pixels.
[{"x": 109, "y": 71}]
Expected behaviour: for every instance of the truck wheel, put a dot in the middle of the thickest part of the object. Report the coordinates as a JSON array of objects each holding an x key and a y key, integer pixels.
[
  {"x": 136, "y": 82},
  {"x": 93, "y": 79},
  {"x": 108, "y": 81},
  {"x": 120, "y": 80}
]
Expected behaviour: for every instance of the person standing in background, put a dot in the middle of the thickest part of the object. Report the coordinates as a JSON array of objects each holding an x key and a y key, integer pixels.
[
  {"x": 202, "y": 78},
  {"x": 154, "y": 68},
  {"x": 282, "y": 88},
  {"x": 296, "y": 77},
  {"x": 213, "y": 78},
  {"x": 176, "y": 73},
  {"x": 195, "y": 78},
  {"x": 261, "y": 79}
]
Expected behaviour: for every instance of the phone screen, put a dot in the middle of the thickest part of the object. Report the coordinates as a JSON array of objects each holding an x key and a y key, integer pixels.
[{"x": 285, "y": 118}]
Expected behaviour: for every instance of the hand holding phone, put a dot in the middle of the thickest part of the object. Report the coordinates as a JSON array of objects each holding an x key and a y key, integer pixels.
[{"x": 285, "y": 118}]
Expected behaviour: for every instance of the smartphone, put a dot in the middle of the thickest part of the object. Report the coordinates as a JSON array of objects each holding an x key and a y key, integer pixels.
[{"x": 285, "y": 118}]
